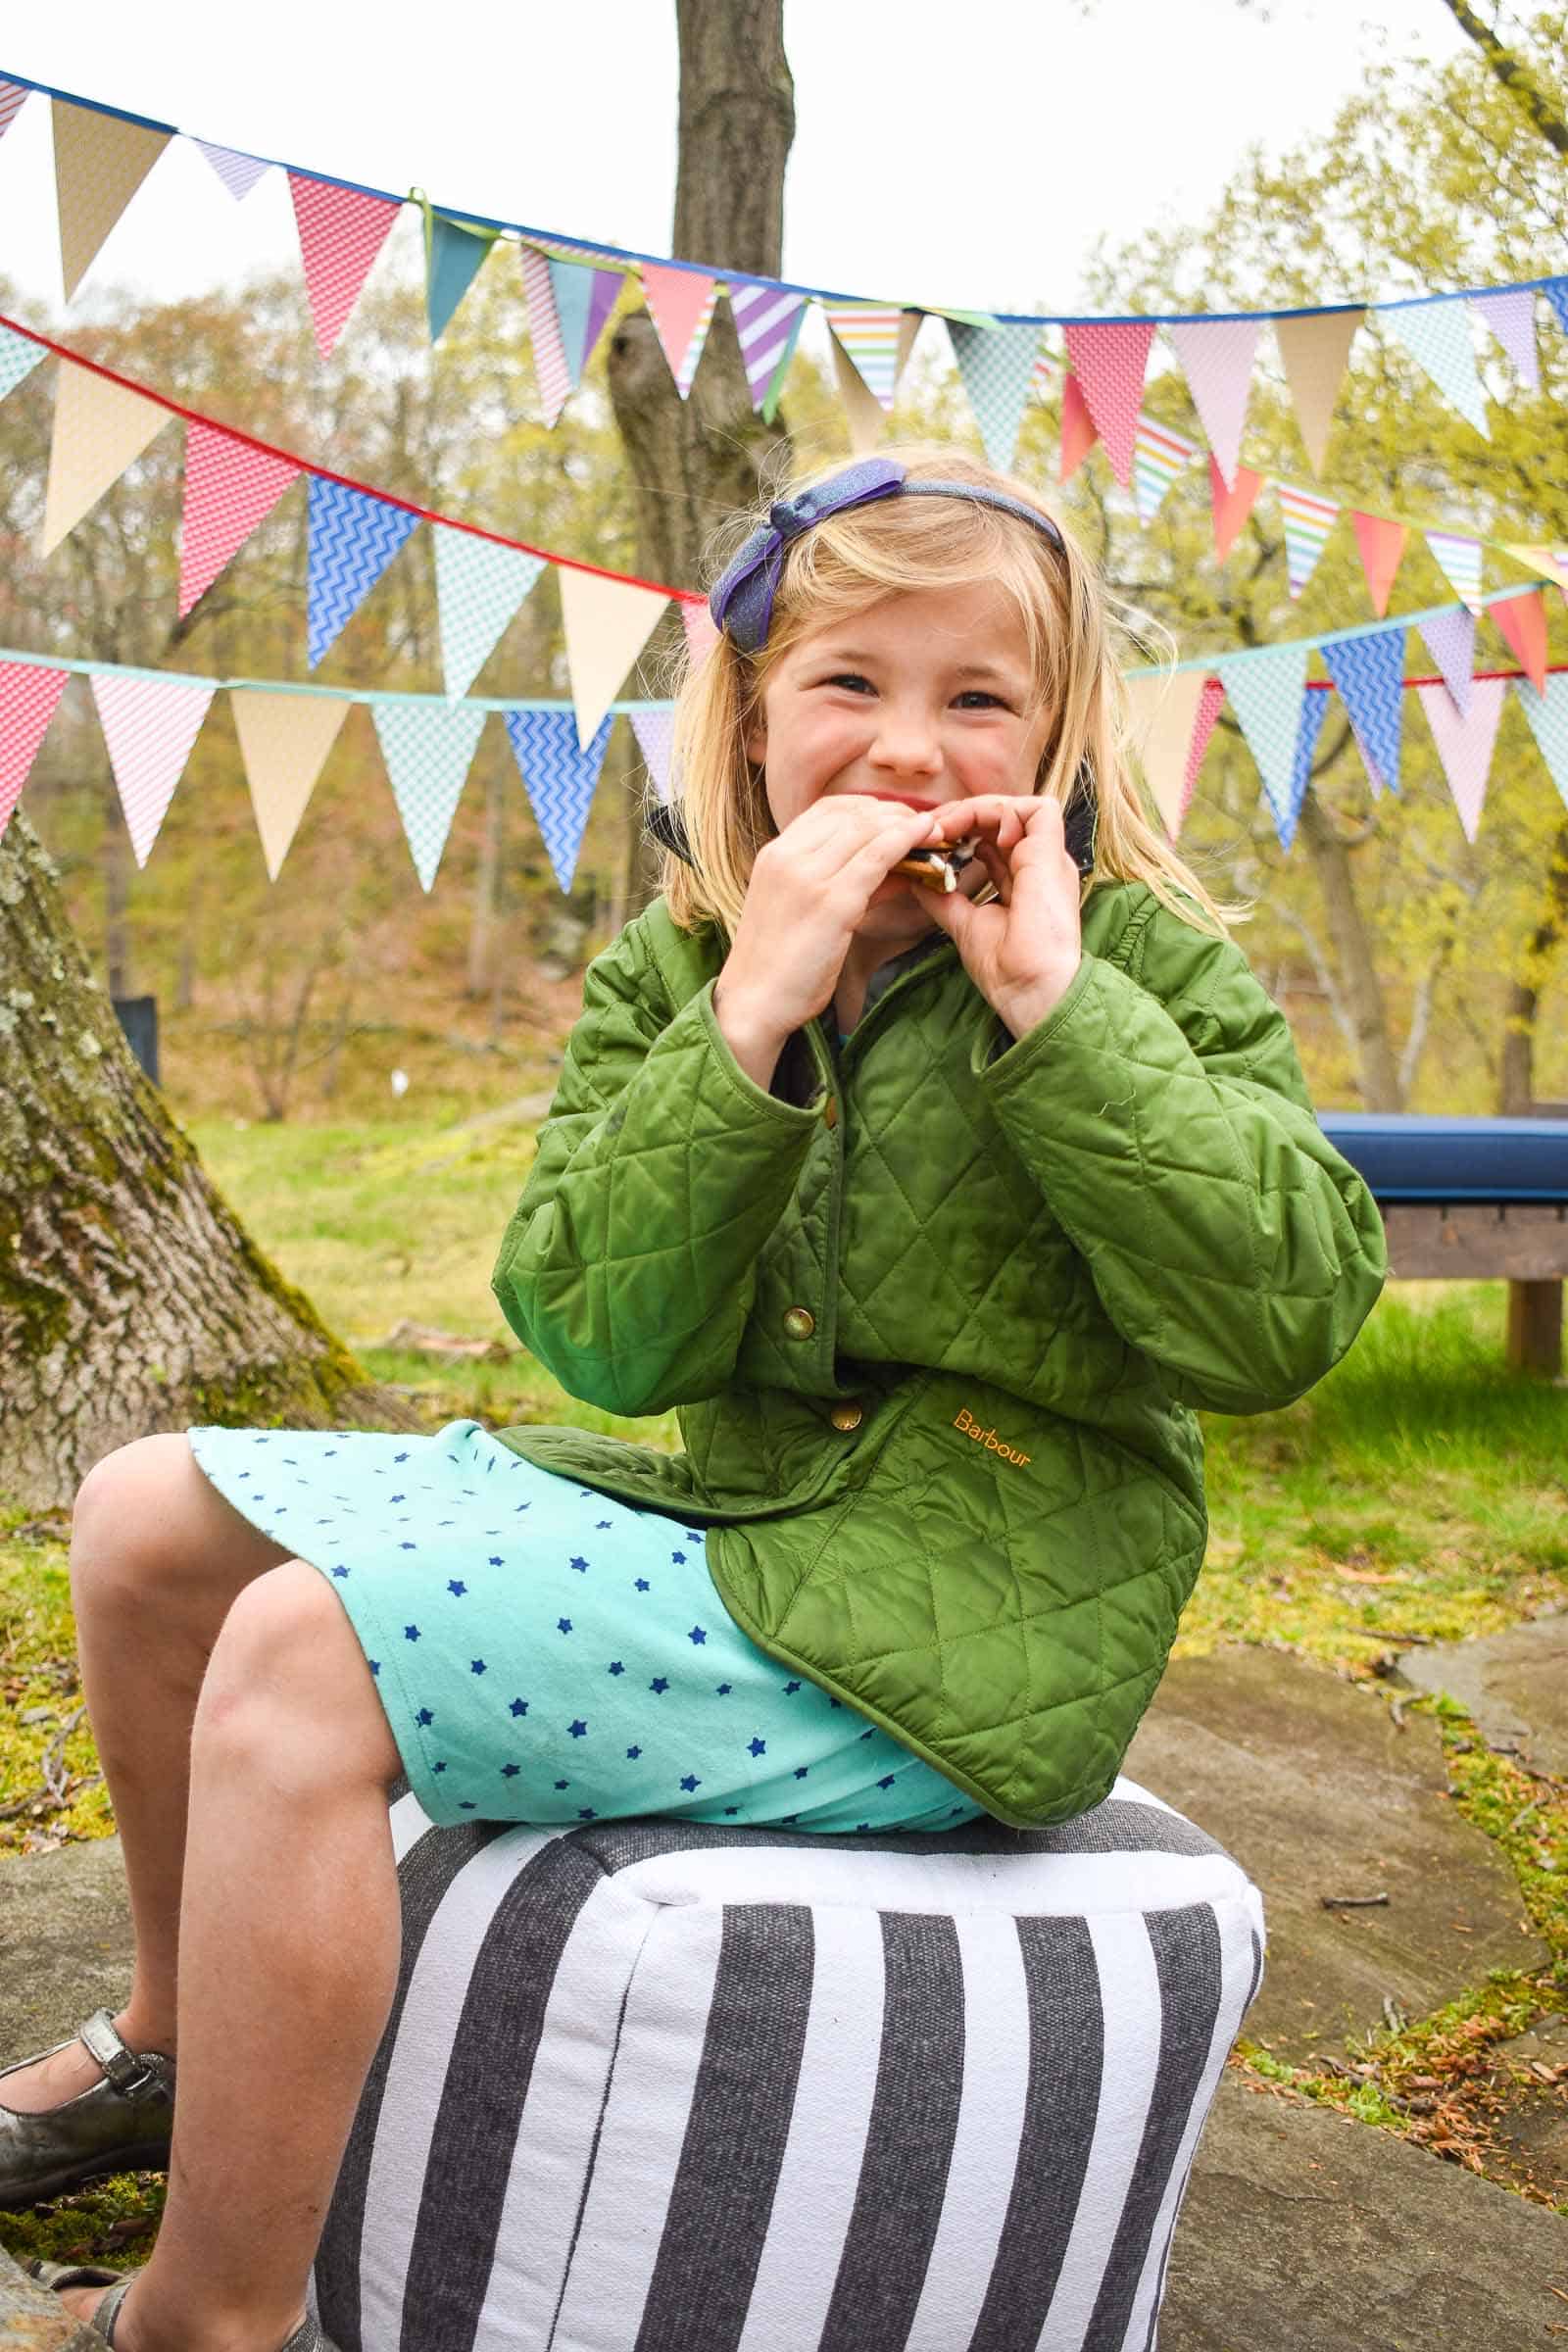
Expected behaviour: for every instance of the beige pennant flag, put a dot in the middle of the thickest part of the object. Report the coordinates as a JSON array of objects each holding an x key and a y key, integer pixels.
[
  {"x": 863, "y": 411},
  {"x": 1163, "y": 711},
  {"x": 99, "y": 428},
  {"x": 283, "y": 741},
  {"x": 908, "y": 328},
  {"x": 607, "y": 622},
  {"x": 100, "y": 161},
  {"x": 1315, "y": 350},
  {"x": 1550, "y": 562}
]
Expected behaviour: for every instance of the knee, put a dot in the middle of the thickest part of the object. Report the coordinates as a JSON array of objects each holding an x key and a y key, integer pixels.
[
  {"x": 288, "y": 1692},
  {"x": 127, "y": 1517}
]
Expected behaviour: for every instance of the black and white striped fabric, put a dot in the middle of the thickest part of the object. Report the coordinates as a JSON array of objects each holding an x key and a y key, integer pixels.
[{"x": 653, "y": 2087}]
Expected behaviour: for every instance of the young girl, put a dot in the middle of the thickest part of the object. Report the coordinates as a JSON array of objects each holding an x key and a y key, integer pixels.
[{"x": 934, "y": 1213}]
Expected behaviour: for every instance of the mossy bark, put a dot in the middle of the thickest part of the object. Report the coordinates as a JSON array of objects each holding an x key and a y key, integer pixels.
[{"x": 131, "y": 1299}]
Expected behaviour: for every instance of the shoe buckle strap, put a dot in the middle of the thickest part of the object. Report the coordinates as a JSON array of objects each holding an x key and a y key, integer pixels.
[{"x": 133, "y": 2074}]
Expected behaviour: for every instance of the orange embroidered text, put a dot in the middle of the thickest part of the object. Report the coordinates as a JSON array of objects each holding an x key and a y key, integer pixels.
[{"x": 987, "y": 1438}]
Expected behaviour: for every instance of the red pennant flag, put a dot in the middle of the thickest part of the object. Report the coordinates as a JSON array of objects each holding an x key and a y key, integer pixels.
[
  {"x": 1232, "y": 507},
  {"x": 1078, "y": 434},
  {"x": 341, "y": 233},
  {"x": 1523, "y": 623},
  {"x": 230, "y": 488},
  {"x": 1382, "y": 544},
  {"x": 28, "y": 698},
  {"x": 1210, "y": 705},
  {"x": 1108, "y": 359}
]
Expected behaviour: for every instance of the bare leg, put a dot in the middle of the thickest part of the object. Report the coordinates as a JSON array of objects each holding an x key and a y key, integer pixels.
[
  {"x": 288, "y": 1963},
  {"x": 157, "y": 1560}
]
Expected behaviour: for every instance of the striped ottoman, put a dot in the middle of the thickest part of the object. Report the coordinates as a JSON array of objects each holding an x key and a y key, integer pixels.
[{"x": 652, "y": 2087}]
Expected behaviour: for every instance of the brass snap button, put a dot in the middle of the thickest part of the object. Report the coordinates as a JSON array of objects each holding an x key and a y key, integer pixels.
[
  {"x": 847, "y": 1417},
  {"x": 799, "y": 1322},
  {"x": 830, "y": 1113}
]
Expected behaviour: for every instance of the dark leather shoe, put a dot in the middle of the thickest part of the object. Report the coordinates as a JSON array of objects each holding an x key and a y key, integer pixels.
[{"x": 121, "y": 2124}]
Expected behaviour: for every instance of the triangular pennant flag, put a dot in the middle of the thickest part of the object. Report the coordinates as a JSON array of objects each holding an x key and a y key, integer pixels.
[
  {"x": 1163, "y": 709},
  {"x": 1458, "y": 559},
  {"x": 283, "y": 741},
  {"x": 479, "y": 585},
  {"x": 1211, "y": 704},
  {"x": 607, "y": 622},
  {"x": 680, "y": 303},
  {"x": 352, "y": 540},
  {"x": 237, "y": 171},
  {"x": 865, "y": 419},
  {"x": 869, "y": 335},
  {"x": 996, "y": 365},
  {"x": 28, "y": 694},
  {"x": 1159, "y": 456},
  {"x": 654, "y": 731},
  {"x": 1216, "y": 357},
  {"x": 584, "y": 298},
  {"x": 18, "y": 359},
  {"x": 1436, "y": 335},
  {"x": 701, "y": 634},
  {"x": 1108, "y": 359},
  {"x": 1451, "y": 640},
  {"x": 1522, "y": 620},
  {"x": 1266, "y": 692},
  {"x": 1078, "y": 434},
  {"x": 560, "y": 775},
  {"x": 13, "y": 96},
  {"x": 149, "y": 725},
  {"x": 1511, "y": 318},
  {"x": 1381, "y": 542},
  {"x": 341, "y": 233},
  {"x": 551, "y": 372},
  {"x": 453, "y": 256},
  {"x": 100, "y": 161},
  {"x": 1314, "y": 709},
  {"x": 1547, "y": 713},
  {"x": 1465, "y": 743},
  {"x": 1308, "y": 522},
  {"x": 1556, "y": 290},
  {"x": 1232, "y": 505},
  {"x": 428, "y": 748},
  {"x": 230, "y": 488},
  {"x": 99, "y": 428},
  {"x": 1550, "y": 562},
  {"x": 767, "y": 320},
  {"x": 1369, "y": 673},
  {"x": 1314, "y": 350}
]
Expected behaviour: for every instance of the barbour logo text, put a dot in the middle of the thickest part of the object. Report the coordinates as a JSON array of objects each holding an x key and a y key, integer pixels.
[{"x": 987, "y": 1438}]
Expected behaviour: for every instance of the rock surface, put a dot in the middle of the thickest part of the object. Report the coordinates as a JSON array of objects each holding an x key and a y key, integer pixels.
[
  {"x": 1514, "y": 1684},
  {"x": 64, "y": 1944}
]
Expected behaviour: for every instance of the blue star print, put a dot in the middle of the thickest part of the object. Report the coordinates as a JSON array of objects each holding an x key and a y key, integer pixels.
[
  {"x": 579, "y": 1564},
  {"x": 509, "y": 1772},
  {"x": 455, "y": 1586},
  {"x": 563, "y": 1625},
  {"x": 697, "y": 1637},
  {"x": 615, "y": 1667},
  {"x": 519, "y": 1706},
  {"x": 642, "y": 1586},
  {"x": 424, "y": 1717},
  {"x": 632, "y": 1753},
  {"x": 477, "y": 1666},
  {"x": 410, "y": 1633},
  {"x": 691, "y": 1784},
  {"x": 759, "y": 1748},
  {"x": 660, "y": 1684},
  {"x": 578, "y": 1729}
]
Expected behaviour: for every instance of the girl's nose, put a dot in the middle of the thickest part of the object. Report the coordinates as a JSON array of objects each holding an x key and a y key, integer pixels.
[{"x": 906, "y": 744}]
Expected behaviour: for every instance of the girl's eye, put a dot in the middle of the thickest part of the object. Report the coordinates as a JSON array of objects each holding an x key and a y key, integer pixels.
[
  {"x": 854, "y": 680},
  {"x": 976, "y": 699}
]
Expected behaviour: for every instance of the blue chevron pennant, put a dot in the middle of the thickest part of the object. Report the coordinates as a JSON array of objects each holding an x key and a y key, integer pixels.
[
  {"x": 1314, "y": 711},
  {"x": 560, "y": 778},
  {"x": 1369, "y": 673},
  {"x": 428, "y": 748},
  {"x": 352, "y": 541}
]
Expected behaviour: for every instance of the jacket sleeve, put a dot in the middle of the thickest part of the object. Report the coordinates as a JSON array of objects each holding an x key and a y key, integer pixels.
[
  {"x": 629, "y": 1264},
  {"x": 1168, "y": 1123}
]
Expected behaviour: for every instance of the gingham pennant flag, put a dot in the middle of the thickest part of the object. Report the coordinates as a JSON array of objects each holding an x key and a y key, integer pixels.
[
  {"x": 1267, "y": 691},
  {"x": 478, "y": 587},
  {"x": 996, "y": 365},
  {"x": 1465, "y": 743},
  {"x": 680, "y": 303},
  {"x": 560, "y": 775},
  {"x": 1522, "y": 621},
  {"x": 767, "y": 320},
  {"x": 1458, "y": 559},
  {"x": 229, "y": 489},
  {"x": 1511, "y": 318},
  {"x": 550, "y": 370},
  {"x": 1451, "y": 640},
  {"x": 237, "y": 171},
  {"x": 584, "y": 299},
  {"x": 341, "y": 233},
  {"x": 1216, "y": 357},
  {"x": 12, "y": 95},
  {"x": 1547, "y": 713},
  {"x": 1369, "y": 673},
  {"x": 1109, "y": 360},
  {"x": 654, "y": 731},
  {"x": 352, "y": 540},
  {"x": 149, "y": 725},
  {"x": 1308, "y": 520},
  {"x": 428, "y": 748},
  {"x": 1159, "y": 456},
  {"x": 17, "y": 360},
  {"x": 28, "y": 698},
  {"x": 1437, "y": 337},
  {"x": 100, "y": 161},
  {"x": 870, "y": 335}
]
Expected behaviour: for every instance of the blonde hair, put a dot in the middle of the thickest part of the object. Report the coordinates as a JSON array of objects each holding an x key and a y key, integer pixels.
[{"x": 1073, "y": 628}]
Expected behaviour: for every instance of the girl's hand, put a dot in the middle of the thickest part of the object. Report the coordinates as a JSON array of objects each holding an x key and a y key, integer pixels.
[{"x": 1023, "y": 952}]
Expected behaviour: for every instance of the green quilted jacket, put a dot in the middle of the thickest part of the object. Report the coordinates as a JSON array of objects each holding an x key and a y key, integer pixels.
[{"x": 936, "y": 1325}]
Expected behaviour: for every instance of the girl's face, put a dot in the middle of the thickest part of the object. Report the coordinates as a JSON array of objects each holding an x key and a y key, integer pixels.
[{"x": 925, "y": 697}]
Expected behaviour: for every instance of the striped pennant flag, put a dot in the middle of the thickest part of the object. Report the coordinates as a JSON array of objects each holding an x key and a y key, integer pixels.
[
  {"x": 350, "y": 542},
  {"x": 428, "y": 748},
  {"x": 230, "y": 488},
  {"x": 28, "y": 694},
  {"x": 17, "y": 360},
  {"x": 551, "y": 372},
  {"x": 478, "y": 587},
  {"x": 1160, "y": 456},
  {"x": 341, "y": 232},
  {"x": 237, "y": 171},
  {"x": 869, "y": 335},
  {"x": 14, "y": 95},
  {"x": 559, "y": 774},
  {"x": 1308, "y": 520},
  {"x": 1547, "y": 713},
  {"x": 149, "y": 725},
  {"x": 1458, "y": 558},
  {"x": 996, "y": 365},
  {"x": 1465, "y": 743},
  {"x": 767, "y": 320},
  {"x": 680, "y": 303}
]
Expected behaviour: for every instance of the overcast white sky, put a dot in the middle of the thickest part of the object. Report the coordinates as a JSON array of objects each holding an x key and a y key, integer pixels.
[{"x": 963, "y": 151}]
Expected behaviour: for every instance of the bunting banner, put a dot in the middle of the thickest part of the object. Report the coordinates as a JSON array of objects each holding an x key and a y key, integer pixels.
[
  {"x": 654, "y": 731},
  {"x": 1308, "y": 520},
  {"x": 453, "y": 256},
  {"x": 1436, "y": 335},
  {"x": 551, "y": 373},
  {"x": 428, "y": 748},
  {"x": 1369, "y": 675},
  {"x": 229, "y": 489},
  {"x": 607, "y": 626},
  {"x": 701, "y": 634},
  {"x": 1522, "y": 620},
  {"x": 868, "y": 334},
  {"x": 1233, "y": 505},
  {"x": 1210, "y": 705},
  {"x": 1450, "y": 638},
  {"x": 1160, "y": 456},
  {"x": 558, "y": 773},
  {"x": 995, "y": 366},
  {"x": 1511, "y": 318},
  {"x": 100, "y": 161},
  {"x": 1382, "y": 545},
  {"x": 1547, "y": 714},
  {"x": 1216, "y": 358},
  {"x": 584, "y": 298},
  {"x": 17, "y": 360},
  {"x": 680, "y": 303},
  {"x": 1465, "y": 743},
  {"x": 28, "y": 698},
  {"x": 283, "y": 741},
  {"x": 478, "y": 587},
  {"x": 12, "y": 97},
  {"x": 1078, "y": 434},
  {"x": 149, "y": 725},
  {"x": 1267, "y": 691},
  {"x": 1109, "y": 363},
  {"x": 351, "y": 540},
  {"x": 1164, "y": 712},
  {"x": 1458, "y": 559},
  {"x": 239, "y": 173},
  {"x": 341, "y": 232},
  {"x": 1316, "y": 351},
  {"x": 767, "y": 320},
  {"x": 1547, "y": 562},
  {"x": 1314, "y": 709},
  {"x": 100, "y": 428}
]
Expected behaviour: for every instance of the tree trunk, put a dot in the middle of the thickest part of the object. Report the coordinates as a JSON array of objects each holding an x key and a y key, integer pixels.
[
  {"x": 130, "y": 1297},
  {"x": 696, "y": 461},
  {"x": 1377, "y": 1068}
]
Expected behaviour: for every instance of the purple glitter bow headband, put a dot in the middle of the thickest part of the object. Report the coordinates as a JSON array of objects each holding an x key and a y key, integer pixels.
[{"x": 741, "y": 601}]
